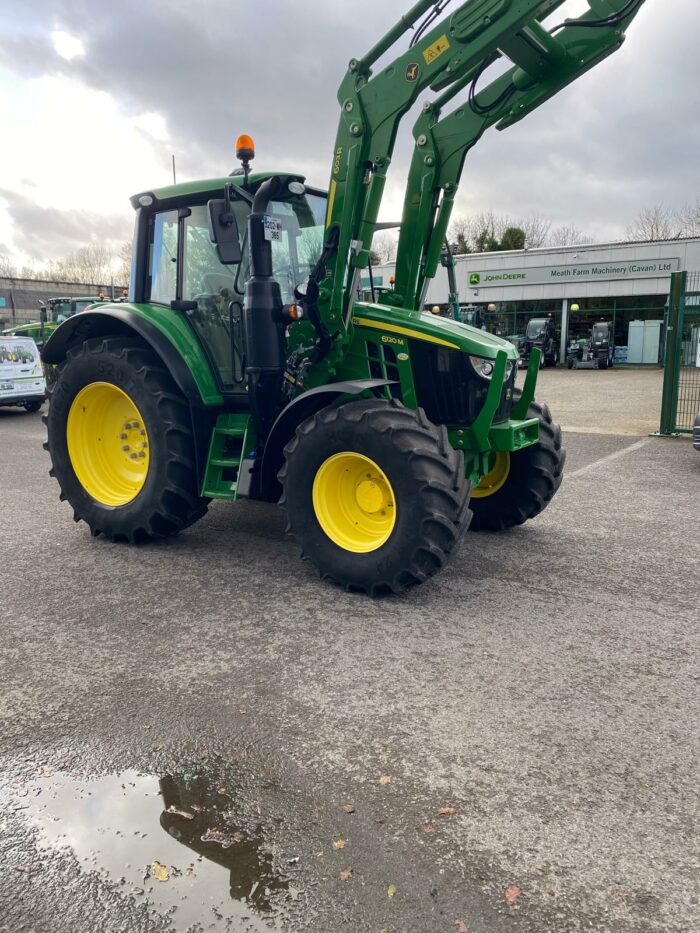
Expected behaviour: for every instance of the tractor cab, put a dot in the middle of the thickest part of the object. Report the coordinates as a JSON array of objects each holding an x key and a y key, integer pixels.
[
  {"x": 180, "y": 265},
  {"x": 595, "y": 351},
  {"x": 602, "y": 344},
  {"x": 601, "y": 336},
  {"x": 540, "y": 333},
  {"x": 51, "y": 313},
  {"x": 60, "y": 309},
  {"x": 473, "y": 315}
]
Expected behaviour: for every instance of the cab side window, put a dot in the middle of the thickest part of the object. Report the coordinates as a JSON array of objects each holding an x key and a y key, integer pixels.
[{"x": 163, "y": 259}]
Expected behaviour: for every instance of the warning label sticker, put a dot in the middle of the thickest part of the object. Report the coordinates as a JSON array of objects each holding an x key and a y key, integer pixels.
[{"x": 436, "y": 49}]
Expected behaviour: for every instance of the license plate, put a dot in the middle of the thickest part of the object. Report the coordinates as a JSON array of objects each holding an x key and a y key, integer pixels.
[{"x": 6, "y": 386}]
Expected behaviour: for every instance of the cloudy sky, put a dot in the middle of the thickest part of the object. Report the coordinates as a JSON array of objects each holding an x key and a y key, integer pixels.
[{"x": 96, "y": 95}]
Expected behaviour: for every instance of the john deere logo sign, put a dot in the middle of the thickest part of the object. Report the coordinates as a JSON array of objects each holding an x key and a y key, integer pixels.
[
  {"x": 585, "y": 272},
  {"x": 412, "y": 71}
]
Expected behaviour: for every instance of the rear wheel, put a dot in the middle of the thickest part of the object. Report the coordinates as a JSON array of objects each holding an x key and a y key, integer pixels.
[
  {"x": 33, "y": 406},
  {"x": 121, "y": 442},
  {"x": 375, "y": 495},
  {"x": 520, "y": 485}
]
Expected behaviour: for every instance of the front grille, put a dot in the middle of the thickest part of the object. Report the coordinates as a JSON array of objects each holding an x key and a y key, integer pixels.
[{"x": 447, "y": 387}]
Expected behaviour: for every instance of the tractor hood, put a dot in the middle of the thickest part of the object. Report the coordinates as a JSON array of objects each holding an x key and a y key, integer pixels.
[{"x": 422, "y": 326}]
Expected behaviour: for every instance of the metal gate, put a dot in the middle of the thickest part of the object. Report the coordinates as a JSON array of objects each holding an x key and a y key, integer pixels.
[{"x": 680, "y": 403}]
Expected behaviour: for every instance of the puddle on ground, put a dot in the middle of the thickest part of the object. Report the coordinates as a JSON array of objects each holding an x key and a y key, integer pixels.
[{"x": 134, "y": 829}]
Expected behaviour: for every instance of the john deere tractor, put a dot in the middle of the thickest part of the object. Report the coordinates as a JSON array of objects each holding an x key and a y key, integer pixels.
[
  {"x": 243, "y": 365},
  {"x": 58, "y": 310}
]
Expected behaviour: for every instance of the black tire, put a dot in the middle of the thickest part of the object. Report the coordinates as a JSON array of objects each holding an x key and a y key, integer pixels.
[
  {"x": 169, "y": 500},
  {"x": 570, "y": 364},
  {"x": 33, "y": 406},
  {"x": 425, "y": 472},
  {"x": 535, "y": 476}
]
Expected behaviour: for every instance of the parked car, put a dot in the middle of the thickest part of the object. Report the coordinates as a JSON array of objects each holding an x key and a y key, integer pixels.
[
  {"x": 22, "y": 380},
  {"x": 696, "y": 433}
]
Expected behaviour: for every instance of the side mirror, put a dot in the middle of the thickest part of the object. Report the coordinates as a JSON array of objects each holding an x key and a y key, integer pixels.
[{"x": 223, "y": 231}]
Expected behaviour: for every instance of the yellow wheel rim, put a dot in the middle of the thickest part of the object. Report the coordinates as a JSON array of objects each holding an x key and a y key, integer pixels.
[
  {"x": 107, "y": 444},
  {"x": 354, "y": 502},
  {"x": 495, "y": 479}
]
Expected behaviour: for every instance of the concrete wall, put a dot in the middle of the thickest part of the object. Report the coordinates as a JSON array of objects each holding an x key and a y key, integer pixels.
[{"x": 19, "y": 298}]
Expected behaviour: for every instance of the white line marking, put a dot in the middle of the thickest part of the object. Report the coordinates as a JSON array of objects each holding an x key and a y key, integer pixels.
[{"x": 615, "y": 456}]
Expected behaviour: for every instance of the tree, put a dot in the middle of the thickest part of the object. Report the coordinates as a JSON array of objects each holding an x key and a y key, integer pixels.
[
  {"x": 536, "y": 229},
  {"x": 90, "y": 264},
  {"x": 513, "y": 238},
  {"x": 459, "y": 234},
  {"x": 8, "y": 269},
  {"x": 568, "y": 235},
  {"x": 122, "y": 271},
  {"x": 689, "y": 219},
  {"x": 488, "y": 231},
  {"x": 384, "y": 248},
  {"x": 486, "y": 242},
  {"x": 655, "y": 223}
]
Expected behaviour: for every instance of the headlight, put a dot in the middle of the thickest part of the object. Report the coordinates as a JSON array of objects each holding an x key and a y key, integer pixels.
[{"x": 484, "y": 368}]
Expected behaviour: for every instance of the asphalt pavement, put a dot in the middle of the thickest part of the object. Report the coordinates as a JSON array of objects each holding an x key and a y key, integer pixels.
[{"x": 542, "y": 693}]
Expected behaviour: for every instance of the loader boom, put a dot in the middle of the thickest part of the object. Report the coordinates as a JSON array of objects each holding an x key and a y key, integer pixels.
[
  {"x": 449, "y": 56},
  {"x": 544, "y": 66},
  {"x": 372, "y": 107}
]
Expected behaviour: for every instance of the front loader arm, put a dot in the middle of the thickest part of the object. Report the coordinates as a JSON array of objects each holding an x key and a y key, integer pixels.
[
  {"x": 544, "y": 64},
  {"x": 371, "y": 110}
]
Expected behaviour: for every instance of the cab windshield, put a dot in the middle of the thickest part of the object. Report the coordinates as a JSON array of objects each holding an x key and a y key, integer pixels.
[
  {"x": 600, "y": 332},
  {"x": 60, "y": 310},
  {"x": 535, "y": 329}
]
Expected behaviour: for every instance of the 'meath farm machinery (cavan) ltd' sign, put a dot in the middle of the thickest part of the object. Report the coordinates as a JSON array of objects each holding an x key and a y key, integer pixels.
[{"x": 599, "y": 272}]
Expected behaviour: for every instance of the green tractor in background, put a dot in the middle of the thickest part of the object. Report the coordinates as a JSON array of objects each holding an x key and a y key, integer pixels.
[
  {"x": 58, "y": 310},
  {"x": 243, "y": 365}
]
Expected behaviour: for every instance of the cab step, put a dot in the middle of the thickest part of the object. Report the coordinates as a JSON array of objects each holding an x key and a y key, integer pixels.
[{"x": 226, "y": 451}]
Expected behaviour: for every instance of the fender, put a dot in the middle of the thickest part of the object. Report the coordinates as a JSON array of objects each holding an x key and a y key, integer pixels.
[
  {"x": 165, "y": 331},
  {"x": 301, "y": 408}
]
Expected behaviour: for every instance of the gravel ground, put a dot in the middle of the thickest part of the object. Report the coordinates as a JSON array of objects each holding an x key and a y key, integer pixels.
[{"x": 543, "y": 690}]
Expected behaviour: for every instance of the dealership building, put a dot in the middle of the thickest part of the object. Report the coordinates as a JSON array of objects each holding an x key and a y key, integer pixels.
[{"x": 625, "y": 283}]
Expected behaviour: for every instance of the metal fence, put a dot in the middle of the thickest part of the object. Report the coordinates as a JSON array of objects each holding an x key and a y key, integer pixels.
[{"x": 681, "y": 394}]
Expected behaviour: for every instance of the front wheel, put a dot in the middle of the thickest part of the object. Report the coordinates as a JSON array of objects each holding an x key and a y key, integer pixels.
[
  {"x": 375, "y": 495},
  {"x": 121, "y": 442},
  {"x": 520, "y": 485}
]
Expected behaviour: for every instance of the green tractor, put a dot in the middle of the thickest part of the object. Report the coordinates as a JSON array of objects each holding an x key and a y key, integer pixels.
[
  {"x": 58, "y": 310},
  {"x": 243, "y": 365}
]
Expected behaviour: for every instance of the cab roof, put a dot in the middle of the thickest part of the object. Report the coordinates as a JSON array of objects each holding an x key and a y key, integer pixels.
[{"x": 212, "y": 186}]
